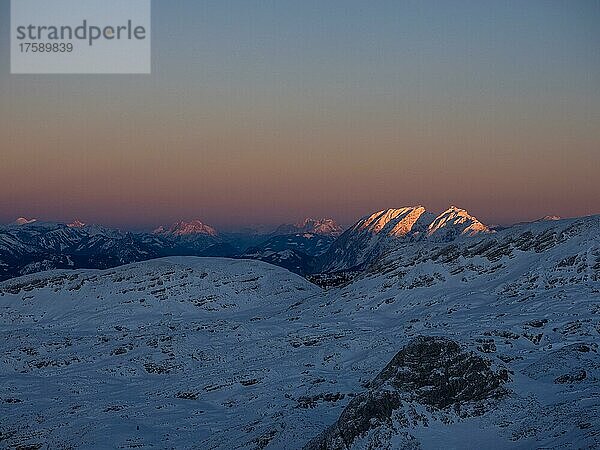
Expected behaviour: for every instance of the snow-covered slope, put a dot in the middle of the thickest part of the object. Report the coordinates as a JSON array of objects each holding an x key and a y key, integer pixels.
[
  {"x": 296, "y": 247},
  {"x": 167, "y": 353},
  {"x": 455, "y": 222},
  {"x": 526, "y": 299},
  {"x": 296, "y": 252},
  {"x": 381, "y": 231},
  {"x": 187, "y": 238},
  {"x": 29, "y": 246},
  {"x": 38, "y": 246},
  {"x": 213, "y": 353}
]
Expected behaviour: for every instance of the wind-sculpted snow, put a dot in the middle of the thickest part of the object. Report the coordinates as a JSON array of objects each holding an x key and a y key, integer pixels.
[{"x": 215, "y": 353}]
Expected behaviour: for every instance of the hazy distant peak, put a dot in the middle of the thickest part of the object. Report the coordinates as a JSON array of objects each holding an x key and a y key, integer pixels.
[
  {"x": 325, "y": 226},
  {"x": 76, "y": 224},
  {"x": 183, "y": 228},
  {"x": 23, "y": 221},
  {"x": 549, "y": 218}
]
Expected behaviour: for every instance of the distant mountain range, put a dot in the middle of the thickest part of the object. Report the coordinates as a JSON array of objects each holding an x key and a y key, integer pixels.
[
  {"x": 30, "y": 245},
  {"x": 307, "y": 247}
]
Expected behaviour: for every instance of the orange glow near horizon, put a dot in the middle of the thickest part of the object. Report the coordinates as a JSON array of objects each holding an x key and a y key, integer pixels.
[{"x": 260, "y": 122}]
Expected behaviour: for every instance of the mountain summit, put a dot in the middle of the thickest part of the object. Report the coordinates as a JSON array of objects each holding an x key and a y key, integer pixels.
[
  {"x": 183, "y": 228},
  {"x": 380, "y": 231},
  {"x": 76, "y": 224},
  {"x": 24, "y": 221},
  {"x": 454, "y": 222},
  {"x": 325, "y": 227},
  {"x": 394, "y": 222}
]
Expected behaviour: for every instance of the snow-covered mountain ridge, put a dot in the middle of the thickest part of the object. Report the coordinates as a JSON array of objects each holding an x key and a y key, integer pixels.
[
  {"x": 217, "y": 353},
  {"x": 187, "y": 228},
  {"x": 34, "y": 246},
  {"x": 28, "y": 245},
  {"x": 298, "y": 252},
  {"x": 324, "y": 227},
  {"x": 374, "y": 234}
]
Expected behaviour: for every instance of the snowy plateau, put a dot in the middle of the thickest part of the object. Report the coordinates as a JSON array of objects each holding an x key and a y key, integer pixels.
[{"x": 476, "y": 339}]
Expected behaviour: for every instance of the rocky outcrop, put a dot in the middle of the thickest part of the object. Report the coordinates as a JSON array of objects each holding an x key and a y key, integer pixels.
[{"x": 434, "y": 372}]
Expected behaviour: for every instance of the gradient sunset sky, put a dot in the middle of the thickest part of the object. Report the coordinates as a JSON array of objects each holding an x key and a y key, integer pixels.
[{"x": 269, "y": 111}]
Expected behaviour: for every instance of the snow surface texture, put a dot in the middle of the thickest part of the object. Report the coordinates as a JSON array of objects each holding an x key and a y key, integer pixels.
[{"x": 214, "y": 353}]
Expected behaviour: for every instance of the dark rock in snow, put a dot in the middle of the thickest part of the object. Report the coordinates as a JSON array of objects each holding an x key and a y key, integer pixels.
[{"x": 431, "y": 371}]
